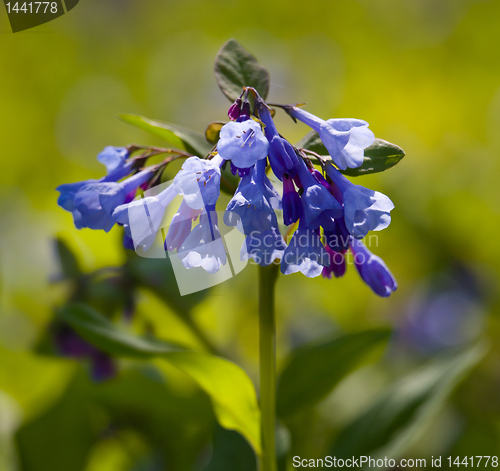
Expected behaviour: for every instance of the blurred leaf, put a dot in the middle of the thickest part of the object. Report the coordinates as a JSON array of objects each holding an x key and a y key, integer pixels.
[
  {"x": 177, "y": 426},
  {"x": 100, "y": 332},
  {"x": 380, "y": 156},
  {"x": 61, "y": 438},
  {"x": 213, "y": 130},
  {"x": 179, "y": 137},
  {"x": 230, "y": 389},
  {"x": 231, "y": 451},
  {"x": 479, "y": 436},
  {"x": 69, "y": 263},
  {"x": 314, "y": 370},
  {"x": 236, "y": 68},
  {"x": 404, "y": 412}
]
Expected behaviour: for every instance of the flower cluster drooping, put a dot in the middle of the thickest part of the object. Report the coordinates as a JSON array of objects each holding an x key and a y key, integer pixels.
[{"x": 327, "y": 214}]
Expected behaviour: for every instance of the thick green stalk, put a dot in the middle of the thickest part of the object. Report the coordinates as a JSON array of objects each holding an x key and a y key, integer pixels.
[{"x": 267, "y": 364}]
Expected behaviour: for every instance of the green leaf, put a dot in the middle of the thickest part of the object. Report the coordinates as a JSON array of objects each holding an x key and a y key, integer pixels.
[
  {"x": 228, "y": 386},
  {"x": 236, "y": 68},
  {"x": 230, "y": 389},
  {"x": 178, "y": 425},
  {"x": 380, "y": 156},
  {"x": 403, "y": 413},
  {"x": 102, "y": 333},
  {"x": 213, "y": 131},
  {"x": 230, "y": 451},
  {"x": 314, "y": 370},
  {"x": 69, "y": 263},
  {"x": 179, "y": 137},
  {"x": 61, "y": 438}
]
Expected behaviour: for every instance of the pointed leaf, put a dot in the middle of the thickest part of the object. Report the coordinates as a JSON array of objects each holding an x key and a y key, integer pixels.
[
  {"x": 179, "y": 137},
  {"x": 228, "y": 386},
  {"x": 314, "y": 370},
  {"x": 236, "y": 68},
  {"x": 380, "y": 156},
  {"x": 402, "y": 414},
  {"x": 102, "y": 333},
  {"x": 230, "y": 389}
]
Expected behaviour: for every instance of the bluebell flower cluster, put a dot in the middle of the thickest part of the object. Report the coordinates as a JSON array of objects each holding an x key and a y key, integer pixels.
[{"x": 326, "y": 214}]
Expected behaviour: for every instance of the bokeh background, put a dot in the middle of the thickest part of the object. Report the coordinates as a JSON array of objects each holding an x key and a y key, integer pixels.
[{"x": 426, "y": 76}]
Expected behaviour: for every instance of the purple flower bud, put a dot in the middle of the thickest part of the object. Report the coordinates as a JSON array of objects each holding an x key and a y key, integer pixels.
[
  {"x": 246, "y": 112},
  {"x": 234, "y": 110},
  {"x": 372, "y": 269}
]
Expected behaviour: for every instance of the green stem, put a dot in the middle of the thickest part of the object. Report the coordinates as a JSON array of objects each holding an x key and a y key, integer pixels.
[{"x": 267, "y": 364}]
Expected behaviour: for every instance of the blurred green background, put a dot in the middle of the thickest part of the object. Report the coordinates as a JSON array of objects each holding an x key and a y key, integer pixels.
[{"x": 425, "y": 74}]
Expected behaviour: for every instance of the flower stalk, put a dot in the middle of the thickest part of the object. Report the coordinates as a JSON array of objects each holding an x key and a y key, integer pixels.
[{"x": 267, "y": 365}]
